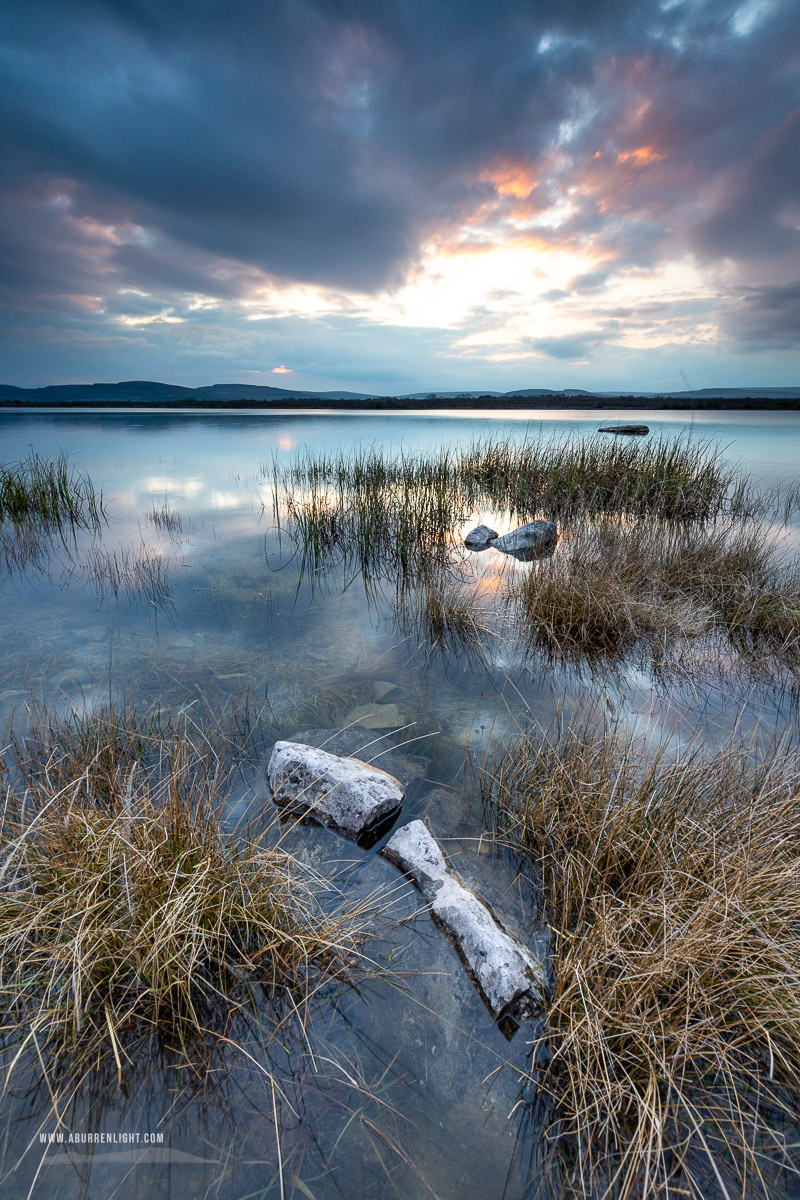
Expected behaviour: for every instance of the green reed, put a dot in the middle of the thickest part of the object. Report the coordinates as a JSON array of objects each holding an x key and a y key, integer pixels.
[
  {"x": 51, "y": 490},
  {"x": 674, "y": 478}
]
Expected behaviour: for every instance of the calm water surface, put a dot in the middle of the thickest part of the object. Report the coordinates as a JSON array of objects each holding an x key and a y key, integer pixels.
[{"x": 438, "y": 1112}]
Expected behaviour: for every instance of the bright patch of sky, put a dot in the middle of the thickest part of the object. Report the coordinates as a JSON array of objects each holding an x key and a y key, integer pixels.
[{"x": 750, "y": 15}]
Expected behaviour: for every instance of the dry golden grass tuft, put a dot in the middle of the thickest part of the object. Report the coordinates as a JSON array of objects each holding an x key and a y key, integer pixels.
[
  {"x": 611, "y": 582},
  {"x": 672, "y": 886},
  {"x": 126, "y": 900}
]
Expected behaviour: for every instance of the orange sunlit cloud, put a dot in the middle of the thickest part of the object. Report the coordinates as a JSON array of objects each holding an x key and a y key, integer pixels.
[
  {"x": 510, "y": 178},
  {"x": 281, "y": 370},
  {"x": 642, "y": 156},
  {"x": 456, "y": 245}
]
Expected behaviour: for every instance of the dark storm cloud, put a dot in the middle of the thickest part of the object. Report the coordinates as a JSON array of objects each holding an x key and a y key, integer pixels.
[
  {"x": 185, "y": 147},
  {"x": 766, "y": 318},
  {"x": 761, "y": 214}
]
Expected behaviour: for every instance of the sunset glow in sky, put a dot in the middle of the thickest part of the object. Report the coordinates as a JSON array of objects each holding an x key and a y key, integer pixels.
[{"x": 394, "y": 197}]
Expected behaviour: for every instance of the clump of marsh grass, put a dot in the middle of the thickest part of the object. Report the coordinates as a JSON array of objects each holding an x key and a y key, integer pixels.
[
  {"x": 127, "y": 902},
  {"x": 658, "y": 539},
  {"x": 671, "y": 887},
  {"x": 43, "y": 503},
  {"x": 675, "y": 478},
  {"x": 376, "y": 507},
  {"x": 612, "y": 582},
  {"x": 396, "y": 514},
  {"x": 50, "y": 490},
  {"x": 371, "y": 515}
]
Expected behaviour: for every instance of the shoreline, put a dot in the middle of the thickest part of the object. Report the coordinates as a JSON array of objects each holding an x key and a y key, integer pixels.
[{"x": 394, "y": 404}]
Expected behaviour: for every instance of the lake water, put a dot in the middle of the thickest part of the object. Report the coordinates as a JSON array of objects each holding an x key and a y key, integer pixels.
[{"x": 437, "y": 1111}]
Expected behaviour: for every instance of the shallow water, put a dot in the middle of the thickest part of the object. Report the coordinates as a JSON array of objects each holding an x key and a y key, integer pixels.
[{"x": 318, "y": 651}]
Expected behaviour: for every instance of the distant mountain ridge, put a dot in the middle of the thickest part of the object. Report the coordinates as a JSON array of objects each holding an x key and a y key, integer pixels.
[
  {"x": 143, "y": 391},
  {"x": 150, "y": 393}
]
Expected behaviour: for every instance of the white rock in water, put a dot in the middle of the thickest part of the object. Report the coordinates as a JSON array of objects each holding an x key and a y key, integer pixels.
[
  {"x": 504, "y": 969},
  {"x": 415, "y": 850},
  {"x": 529, "y": 540},
  {"x": 344, "y": 793},
  {"x": 480, "y": 538}
]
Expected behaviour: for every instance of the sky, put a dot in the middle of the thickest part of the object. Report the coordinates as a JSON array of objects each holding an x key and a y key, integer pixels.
[{"x": 396, "y": 195}]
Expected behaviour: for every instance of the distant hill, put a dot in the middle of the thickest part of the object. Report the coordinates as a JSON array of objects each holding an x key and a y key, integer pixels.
[
  {"x": 133, "y": 392},
  {"x": 142, "y": 391},
  {"x": 253, "y": 391},
  {"x": 246, "y": 395}
]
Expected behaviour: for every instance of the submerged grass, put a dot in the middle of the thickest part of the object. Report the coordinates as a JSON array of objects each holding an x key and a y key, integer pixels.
[
  {"x": 128, "y": 904},
  {"x": 671, "y": 885},
  {"x": 166, "y": 518},
  {"x": 138, "y": 571},
  {"x": 444, "y": 613}
]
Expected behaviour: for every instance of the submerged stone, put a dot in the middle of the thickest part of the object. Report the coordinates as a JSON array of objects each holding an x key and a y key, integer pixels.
[
  {"x": 344, "y": 793},
  {"x": 504, "y": 970},
  {"x": 529, "y": 541},
  {"x": 480, "y": 538},
  {"x": 376, "y": 716}
]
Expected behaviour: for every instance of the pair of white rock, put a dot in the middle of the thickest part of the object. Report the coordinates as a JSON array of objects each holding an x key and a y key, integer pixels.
[
  {"x": 537, "y": 537},
  {"x": 351, "y": 796}
]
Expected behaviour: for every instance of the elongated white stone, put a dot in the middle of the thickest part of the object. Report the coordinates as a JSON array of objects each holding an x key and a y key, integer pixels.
[
  {"x": 344, "y": 793},
  {"x": 504, "y": 969}
]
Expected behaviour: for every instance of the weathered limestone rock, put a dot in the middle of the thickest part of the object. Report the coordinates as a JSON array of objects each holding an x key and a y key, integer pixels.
[
  {"x": 480, "y": 538},
  {"x": 504, "y": 970},
  {"x": 367, "y": 747},
  {"x": 344, "y": 793},
  {"x": 529, "y": 541},
  {"x": 631, "y": 429}
]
